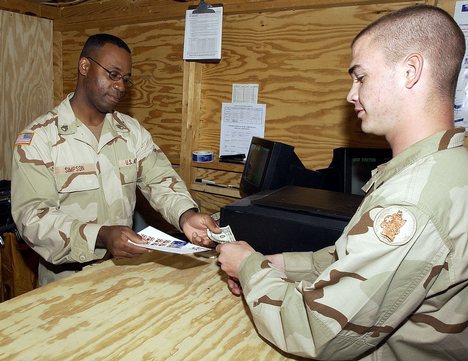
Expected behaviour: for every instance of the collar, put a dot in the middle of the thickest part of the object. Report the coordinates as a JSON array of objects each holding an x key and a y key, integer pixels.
[
  {"x": 451, "y": 138},
  {"x": 68, "y": 123}
]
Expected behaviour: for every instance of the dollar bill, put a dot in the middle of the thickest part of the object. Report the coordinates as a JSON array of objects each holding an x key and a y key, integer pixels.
[{"x": 225, "y": 236}]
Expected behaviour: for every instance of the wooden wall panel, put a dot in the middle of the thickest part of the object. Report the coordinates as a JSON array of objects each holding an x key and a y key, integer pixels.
[
  {"x": 299, "y": 57},
  {"x": 300, "y": 60},
  {"x": 57, "y": 67},
  {"x": 298, "y": 52},
  {"x": 156, "y": 98},
  {"x": 26, "y": 77},
  {"x": 447, "y": 5}
]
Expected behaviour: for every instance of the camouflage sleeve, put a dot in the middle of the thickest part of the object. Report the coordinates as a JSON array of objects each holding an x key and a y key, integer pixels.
[
  {"x": 160, "y": 183},
  {"x": 356, "y": 302},
  {"x": 307, "y": 266},
  {"x": 54, "y": 235}
]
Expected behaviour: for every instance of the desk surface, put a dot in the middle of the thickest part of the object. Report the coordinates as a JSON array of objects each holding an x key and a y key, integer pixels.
[{"x": 156, "y": 307}]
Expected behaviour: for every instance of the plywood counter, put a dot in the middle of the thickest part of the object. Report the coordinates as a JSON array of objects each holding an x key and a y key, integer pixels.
[{"x": 156, "y": 307}]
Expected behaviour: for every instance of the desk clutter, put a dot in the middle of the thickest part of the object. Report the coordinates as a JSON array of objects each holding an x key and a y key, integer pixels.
[
  {"x": 18, "y": 263},
  {"x": 18, "y": 267}
]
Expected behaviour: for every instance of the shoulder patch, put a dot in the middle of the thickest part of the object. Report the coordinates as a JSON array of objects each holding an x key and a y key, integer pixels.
[
  {"x": 395, "y": 225},
  {"x": 24, "y": 138}
]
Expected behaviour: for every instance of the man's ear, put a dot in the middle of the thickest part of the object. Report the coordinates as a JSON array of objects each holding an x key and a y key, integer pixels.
[
  {"x": 414, "y": 64},
  {"x": 83, "y": 66}
]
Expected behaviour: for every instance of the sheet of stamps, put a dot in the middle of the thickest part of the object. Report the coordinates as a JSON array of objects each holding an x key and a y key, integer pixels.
[{"x": 160, "y": 241}]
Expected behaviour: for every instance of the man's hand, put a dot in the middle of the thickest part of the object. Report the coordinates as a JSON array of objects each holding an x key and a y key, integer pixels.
[
  {"x": 195, "y": 225},
  {"x": 115, "y": 240},
  {"x": 234, "y": 286},
  {"x": 231, "y": 255}
]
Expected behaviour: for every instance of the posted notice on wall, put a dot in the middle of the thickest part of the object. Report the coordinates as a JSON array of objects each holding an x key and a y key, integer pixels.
[
  {"x": 461, "y": 93},
  {"x": 203, "y": 34},
  {"x": 245, "y": 93},
  {"x": 239, "y": 123}
]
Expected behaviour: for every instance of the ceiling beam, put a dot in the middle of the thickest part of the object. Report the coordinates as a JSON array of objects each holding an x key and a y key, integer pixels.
[
  {"x": 30, "y": 8},
  {"x": 111, "y": 13}
]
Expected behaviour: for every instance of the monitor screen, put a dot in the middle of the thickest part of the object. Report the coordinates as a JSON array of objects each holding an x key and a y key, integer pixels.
[
  {"x": 351, "y": 168},
  {"x": 271, "y": 165},
  {"x": 254, "y": 168},
  {"x": 360, "y": 172}
]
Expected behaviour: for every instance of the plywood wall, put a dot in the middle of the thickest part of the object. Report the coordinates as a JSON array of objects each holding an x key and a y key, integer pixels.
[
  {"x": 26, "y": 77},
  {"x": 300, "y": 59},
  {"x": 297, "y": 52}
]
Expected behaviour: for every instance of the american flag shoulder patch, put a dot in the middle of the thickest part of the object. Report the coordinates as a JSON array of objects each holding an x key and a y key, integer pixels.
[{"x": 24, "y": 138}]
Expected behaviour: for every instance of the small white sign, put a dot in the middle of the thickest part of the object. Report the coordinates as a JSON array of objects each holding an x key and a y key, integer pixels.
[
  {"x": 203, "y": 34},
  {"x": 239, "y": 123},
  {"x": 245, "y": 93}
]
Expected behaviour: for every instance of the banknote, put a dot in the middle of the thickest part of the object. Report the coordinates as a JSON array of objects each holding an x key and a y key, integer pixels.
[{"x": 225, "y": 236}]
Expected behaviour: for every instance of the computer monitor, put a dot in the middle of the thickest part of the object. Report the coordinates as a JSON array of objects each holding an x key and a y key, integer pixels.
[
  {"x": 351, "y": 168},
  {"x": 272, "y": 165}
]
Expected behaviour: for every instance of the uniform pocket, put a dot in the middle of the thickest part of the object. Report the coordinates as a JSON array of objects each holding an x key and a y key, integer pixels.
[
  {"x": 76, "y": 181},
  {"x": 128, "y": 174}
]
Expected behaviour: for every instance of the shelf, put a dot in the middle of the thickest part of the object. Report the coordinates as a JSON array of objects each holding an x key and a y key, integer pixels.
[
  {"x": 228, "y": 167},
  {"x": 218, "y": 190}
]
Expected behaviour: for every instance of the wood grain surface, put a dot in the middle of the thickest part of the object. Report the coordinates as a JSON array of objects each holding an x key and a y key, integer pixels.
[
  {"x": 156, "y": 307},
  {"x": 299, "y": 58},
  {"x": 298, "y": 52},
  {"x": 26, "y": 77},
  {"x": 300, "y": 61}
]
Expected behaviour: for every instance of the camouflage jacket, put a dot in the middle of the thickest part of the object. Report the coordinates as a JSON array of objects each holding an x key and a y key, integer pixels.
[
  {"x": 394, "y": 286},
  {"x": 66, "y": 184}
]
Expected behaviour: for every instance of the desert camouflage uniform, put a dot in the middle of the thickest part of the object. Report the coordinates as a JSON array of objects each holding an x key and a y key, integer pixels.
[
  {"x": 394, "y": 287},
  {"x": 66, "y": 184}
]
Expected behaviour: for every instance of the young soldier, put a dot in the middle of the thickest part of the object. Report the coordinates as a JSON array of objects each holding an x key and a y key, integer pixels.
[{"x": 394, "y": 286}]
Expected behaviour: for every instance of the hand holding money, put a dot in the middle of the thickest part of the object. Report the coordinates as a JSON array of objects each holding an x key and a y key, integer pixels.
[{"x": 225, "y": 236}]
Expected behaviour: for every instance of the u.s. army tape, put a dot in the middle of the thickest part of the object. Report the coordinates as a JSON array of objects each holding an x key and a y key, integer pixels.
[{"x": 202, "y": 156}]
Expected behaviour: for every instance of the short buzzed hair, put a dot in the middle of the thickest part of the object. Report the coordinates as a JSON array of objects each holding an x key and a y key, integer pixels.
[
  {"x": 427, "y": 30},
  {"x": 97, "y": 41}
]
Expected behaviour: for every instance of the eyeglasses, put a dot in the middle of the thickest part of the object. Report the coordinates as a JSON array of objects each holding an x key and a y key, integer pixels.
[{"x": 114, "y": 75}]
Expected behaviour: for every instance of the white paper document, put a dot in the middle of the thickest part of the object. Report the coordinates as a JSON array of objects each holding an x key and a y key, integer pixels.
[
  {"x": 239, "y": 123},
  {"x": 160, "y": 241},
  {"x": 461, "y": 94},
  {"x": 203, "y": 34},
  {"x": 245, "y": 93}
]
